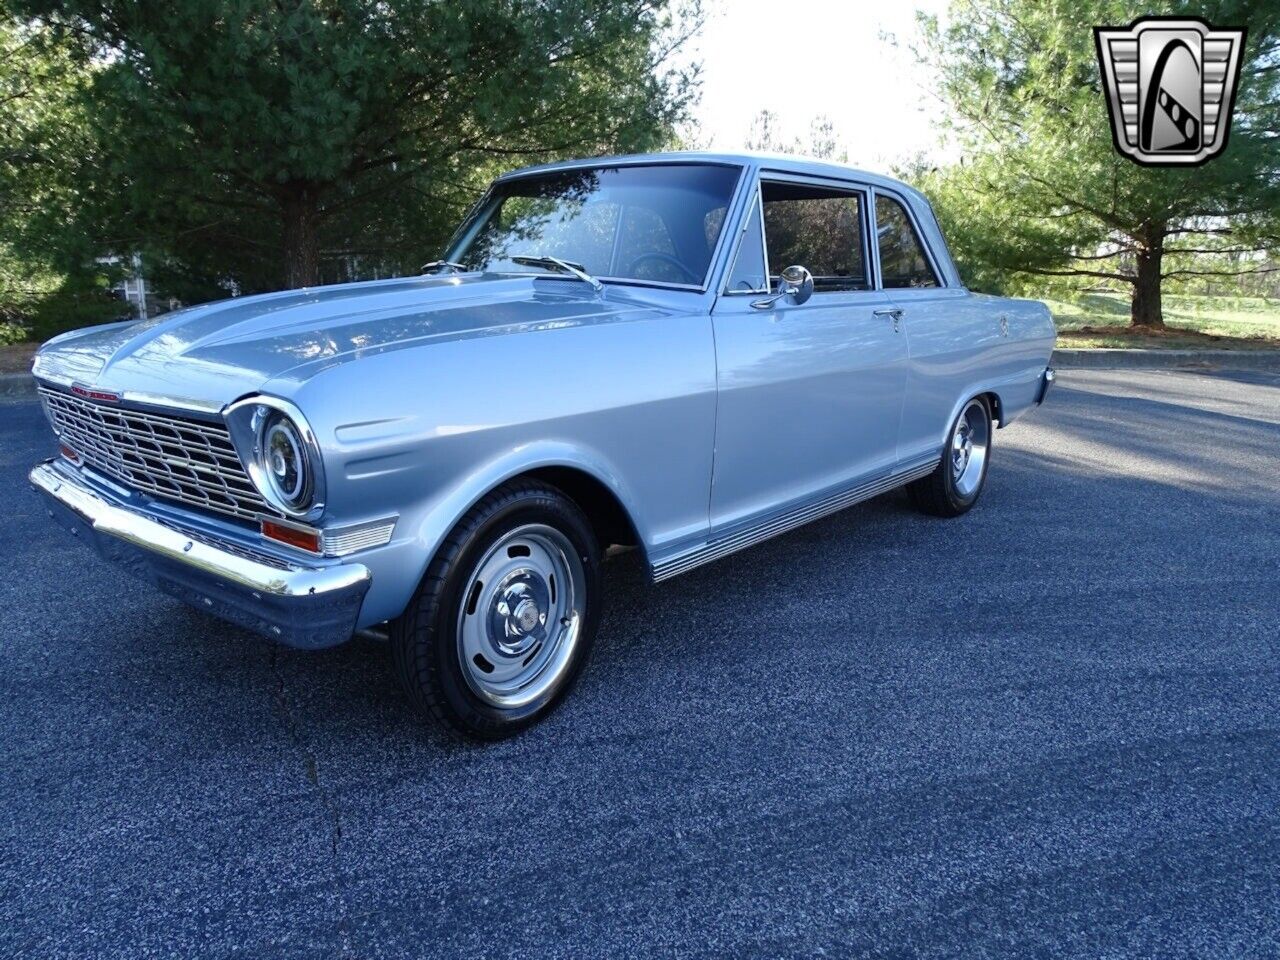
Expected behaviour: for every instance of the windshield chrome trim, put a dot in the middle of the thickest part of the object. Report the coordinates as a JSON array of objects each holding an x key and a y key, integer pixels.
[{"x": 643, "y": 160}]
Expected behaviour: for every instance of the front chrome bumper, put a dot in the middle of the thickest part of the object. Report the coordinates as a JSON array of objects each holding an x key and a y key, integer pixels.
[{"x": 297, "y": 604}]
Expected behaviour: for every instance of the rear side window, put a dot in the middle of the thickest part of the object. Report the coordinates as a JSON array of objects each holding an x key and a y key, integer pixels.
[
  {"x": 818, "y": 228},
  {"x": 902, "y": 259}
]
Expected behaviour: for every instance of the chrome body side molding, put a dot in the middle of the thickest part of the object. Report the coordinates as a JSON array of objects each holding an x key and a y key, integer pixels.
[{"x": 719, "y": 547}]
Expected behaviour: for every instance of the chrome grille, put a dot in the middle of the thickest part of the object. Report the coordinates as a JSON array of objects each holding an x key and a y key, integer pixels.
[{"x": 191, "y": 462}]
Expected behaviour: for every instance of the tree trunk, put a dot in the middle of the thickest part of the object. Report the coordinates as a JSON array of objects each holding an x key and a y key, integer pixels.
[
  {"x": 300, "y": 213},
  {"x": 1145, "y": 309}
]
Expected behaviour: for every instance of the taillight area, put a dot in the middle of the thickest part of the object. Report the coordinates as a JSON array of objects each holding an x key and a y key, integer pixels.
[{"x": 304, "y": 538}]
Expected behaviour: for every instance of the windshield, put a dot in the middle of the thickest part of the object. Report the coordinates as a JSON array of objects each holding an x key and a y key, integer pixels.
[{"x": 649, "y": 223}]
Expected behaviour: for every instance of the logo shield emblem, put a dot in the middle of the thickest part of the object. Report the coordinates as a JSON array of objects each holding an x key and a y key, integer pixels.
[{"x": 1171, "y": 86}]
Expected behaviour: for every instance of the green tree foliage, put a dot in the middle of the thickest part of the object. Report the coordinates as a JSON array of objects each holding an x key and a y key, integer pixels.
[
  {"x": 264, "y": 144},
  {"x": 1042, "y": 190},
  {"x": 46, "y": 269}
]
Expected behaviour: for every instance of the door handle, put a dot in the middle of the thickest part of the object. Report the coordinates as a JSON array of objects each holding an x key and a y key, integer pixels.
[{"x": 895, "y": 312}]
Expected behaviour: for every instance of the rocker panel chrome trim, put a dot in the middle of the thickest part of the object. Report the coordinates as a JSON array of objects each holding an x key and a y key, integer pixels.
[{"x": 782, "y": 523}]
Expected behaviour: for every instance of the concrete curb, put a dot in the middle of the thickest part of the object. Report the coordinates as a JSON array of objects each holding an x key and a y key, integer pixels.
[
  {"x": 1102, "y": 358},
  {"x": 17, "y": 386}
]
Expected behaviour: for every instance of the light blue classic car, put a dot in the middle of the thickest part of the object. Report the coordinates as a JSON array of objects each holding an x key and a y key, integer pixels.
[{"x": 685, "y": 353}]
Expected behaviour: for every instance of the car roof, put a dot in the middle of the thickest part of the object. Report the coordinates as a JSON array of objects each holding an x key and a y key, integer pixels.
[{"x": 777, "y": 162}]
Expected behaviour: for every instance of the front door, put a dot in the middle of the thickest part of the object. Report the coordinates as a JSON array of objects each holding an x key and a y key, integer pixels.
[{"x": 810, "y": 395}]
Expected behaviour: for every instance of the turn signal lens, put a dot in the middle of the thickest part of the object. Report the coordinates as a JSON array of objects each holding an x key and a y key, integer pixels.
[
  {"x": 68, "y": 453},
  {"x": 308, "y": 540}
]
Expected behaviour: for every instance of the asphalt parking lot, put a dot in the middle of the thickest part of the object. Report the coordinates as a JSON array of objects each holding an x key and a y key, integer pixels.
[{"x": 1051, "y": 728}]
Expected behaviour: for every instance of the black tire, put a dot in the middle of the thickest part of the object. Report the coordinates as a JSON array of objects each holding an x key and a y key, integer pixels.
[
  {"x": 938, "y": 493},
  {"x": 425, "y": 640}
]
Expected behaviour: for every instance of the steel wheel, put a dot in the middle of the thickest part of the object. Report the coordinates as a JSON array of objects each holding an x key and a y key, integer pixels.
[
  {"x": 970, "y": 443},
  {"x": 521, "y": 616}
]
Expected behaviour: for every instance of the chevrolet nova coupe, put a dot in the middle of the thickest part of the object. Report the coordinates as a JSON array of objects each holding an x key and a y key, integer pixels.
[{"x": 683, "y": 353}]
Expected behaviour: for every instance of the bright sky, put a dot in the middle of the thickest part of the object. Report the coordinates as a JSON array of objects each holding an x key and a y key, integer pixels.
[{"x": 803, "y": 58}]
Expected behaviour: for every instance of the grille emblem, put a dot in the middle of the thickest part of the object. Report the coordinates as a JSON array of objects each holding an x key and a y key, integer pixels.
[
  {"x": 89, "y": 393},
  {"x": 1171, "y": 86}
]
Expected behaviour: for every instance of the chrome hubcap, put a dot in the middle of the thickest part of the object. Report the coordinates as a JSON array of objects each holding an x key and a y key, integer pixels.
[
  {"x": 521, "y": 616},
  {"x": 970, "y": 443},
  {"x": 526, "y": 616}
]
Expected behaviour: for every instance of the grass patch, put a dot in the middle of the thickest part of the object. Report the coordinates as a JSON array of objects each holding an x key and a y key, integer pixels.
[{"x": 1191, "y": 323}]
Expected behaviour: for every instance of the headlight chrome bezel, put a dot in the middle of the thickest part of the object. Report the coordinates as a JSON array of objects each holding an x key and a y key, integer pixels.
[{"x": 253, "y": 422}]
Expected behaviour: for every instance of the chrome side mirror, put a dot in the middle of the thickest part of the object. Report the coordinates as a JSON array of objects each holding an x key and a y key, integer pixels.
[{"x": 795, "y": 284}]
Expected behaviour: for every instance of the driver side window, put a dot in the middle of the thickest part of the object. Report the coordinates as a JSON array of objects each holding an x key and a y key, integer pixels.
[{"x": 820, "y": 228}]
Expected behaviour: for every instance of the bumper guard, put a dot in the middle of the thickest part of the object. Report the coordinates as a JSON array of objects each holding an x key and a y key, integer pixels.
[{"x": 1047, "y": 380}]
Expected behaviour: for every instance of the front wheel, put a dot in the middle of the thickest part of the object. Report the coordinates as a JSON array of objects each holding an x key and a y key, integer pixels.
[
  {"x": 957, "y": 483},
  {"x": 505, "y": 617}
]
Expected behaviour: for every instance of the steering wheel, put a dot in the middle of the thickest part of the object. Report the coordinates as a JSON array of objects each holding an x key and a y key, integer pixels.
[{"x": 663, "y": 258}]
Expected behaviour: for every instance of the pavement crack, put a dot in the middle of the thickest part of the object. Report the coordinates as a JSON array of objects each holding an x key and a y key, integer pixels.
[{"x": 328, "y": 801}]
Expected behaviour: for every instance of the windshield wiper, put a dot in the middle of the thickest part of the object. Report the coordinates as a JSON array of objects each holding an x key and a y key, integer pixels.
[
  {"x": 437, "y": 264},
  {"x": 565, "y": 266}
]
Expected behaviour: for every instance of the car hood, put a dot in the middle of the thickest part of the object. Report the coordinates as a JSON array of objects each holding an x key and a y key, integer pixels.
[{"x": 215, "y": 353}]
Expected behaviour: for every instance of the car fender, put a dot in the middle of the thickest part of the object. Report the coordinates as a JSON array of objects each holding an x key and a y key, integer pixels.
[
  {"x": 1013, "y": 393},
  {"x": 442, "y": 513}
]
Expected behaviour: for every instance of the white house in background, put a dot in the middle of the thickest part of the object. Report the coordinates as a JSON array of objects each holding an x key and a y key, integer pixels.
[
  {"x": 133, "y": 289},
  {"x": 135, "y": 292}
]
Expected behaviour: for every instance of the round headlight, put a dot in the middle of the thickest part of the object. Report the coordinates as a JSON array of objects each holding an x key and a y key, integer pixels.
[
  {"x": 284, "y": 462},
  {"x": 279, "y": 451}
]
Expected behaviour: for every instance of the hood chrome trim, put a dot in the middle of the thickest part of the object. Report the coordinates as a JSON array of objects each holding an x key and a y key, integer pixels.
[
  {"x": 171, "y": 403},
  {"x": 205, "y": 407}
]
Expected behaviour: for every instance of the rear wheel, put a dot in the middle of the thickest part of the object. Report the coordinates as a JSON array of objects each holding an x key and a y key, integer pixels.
[
  {"x": 954, "y": 487},
  {"x": 504, "y": 620}
]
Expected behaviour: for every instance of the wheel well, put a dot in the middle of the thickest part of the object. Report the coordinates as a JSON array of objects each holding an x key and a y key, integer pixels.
[{"x": 608, "y": 517}]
